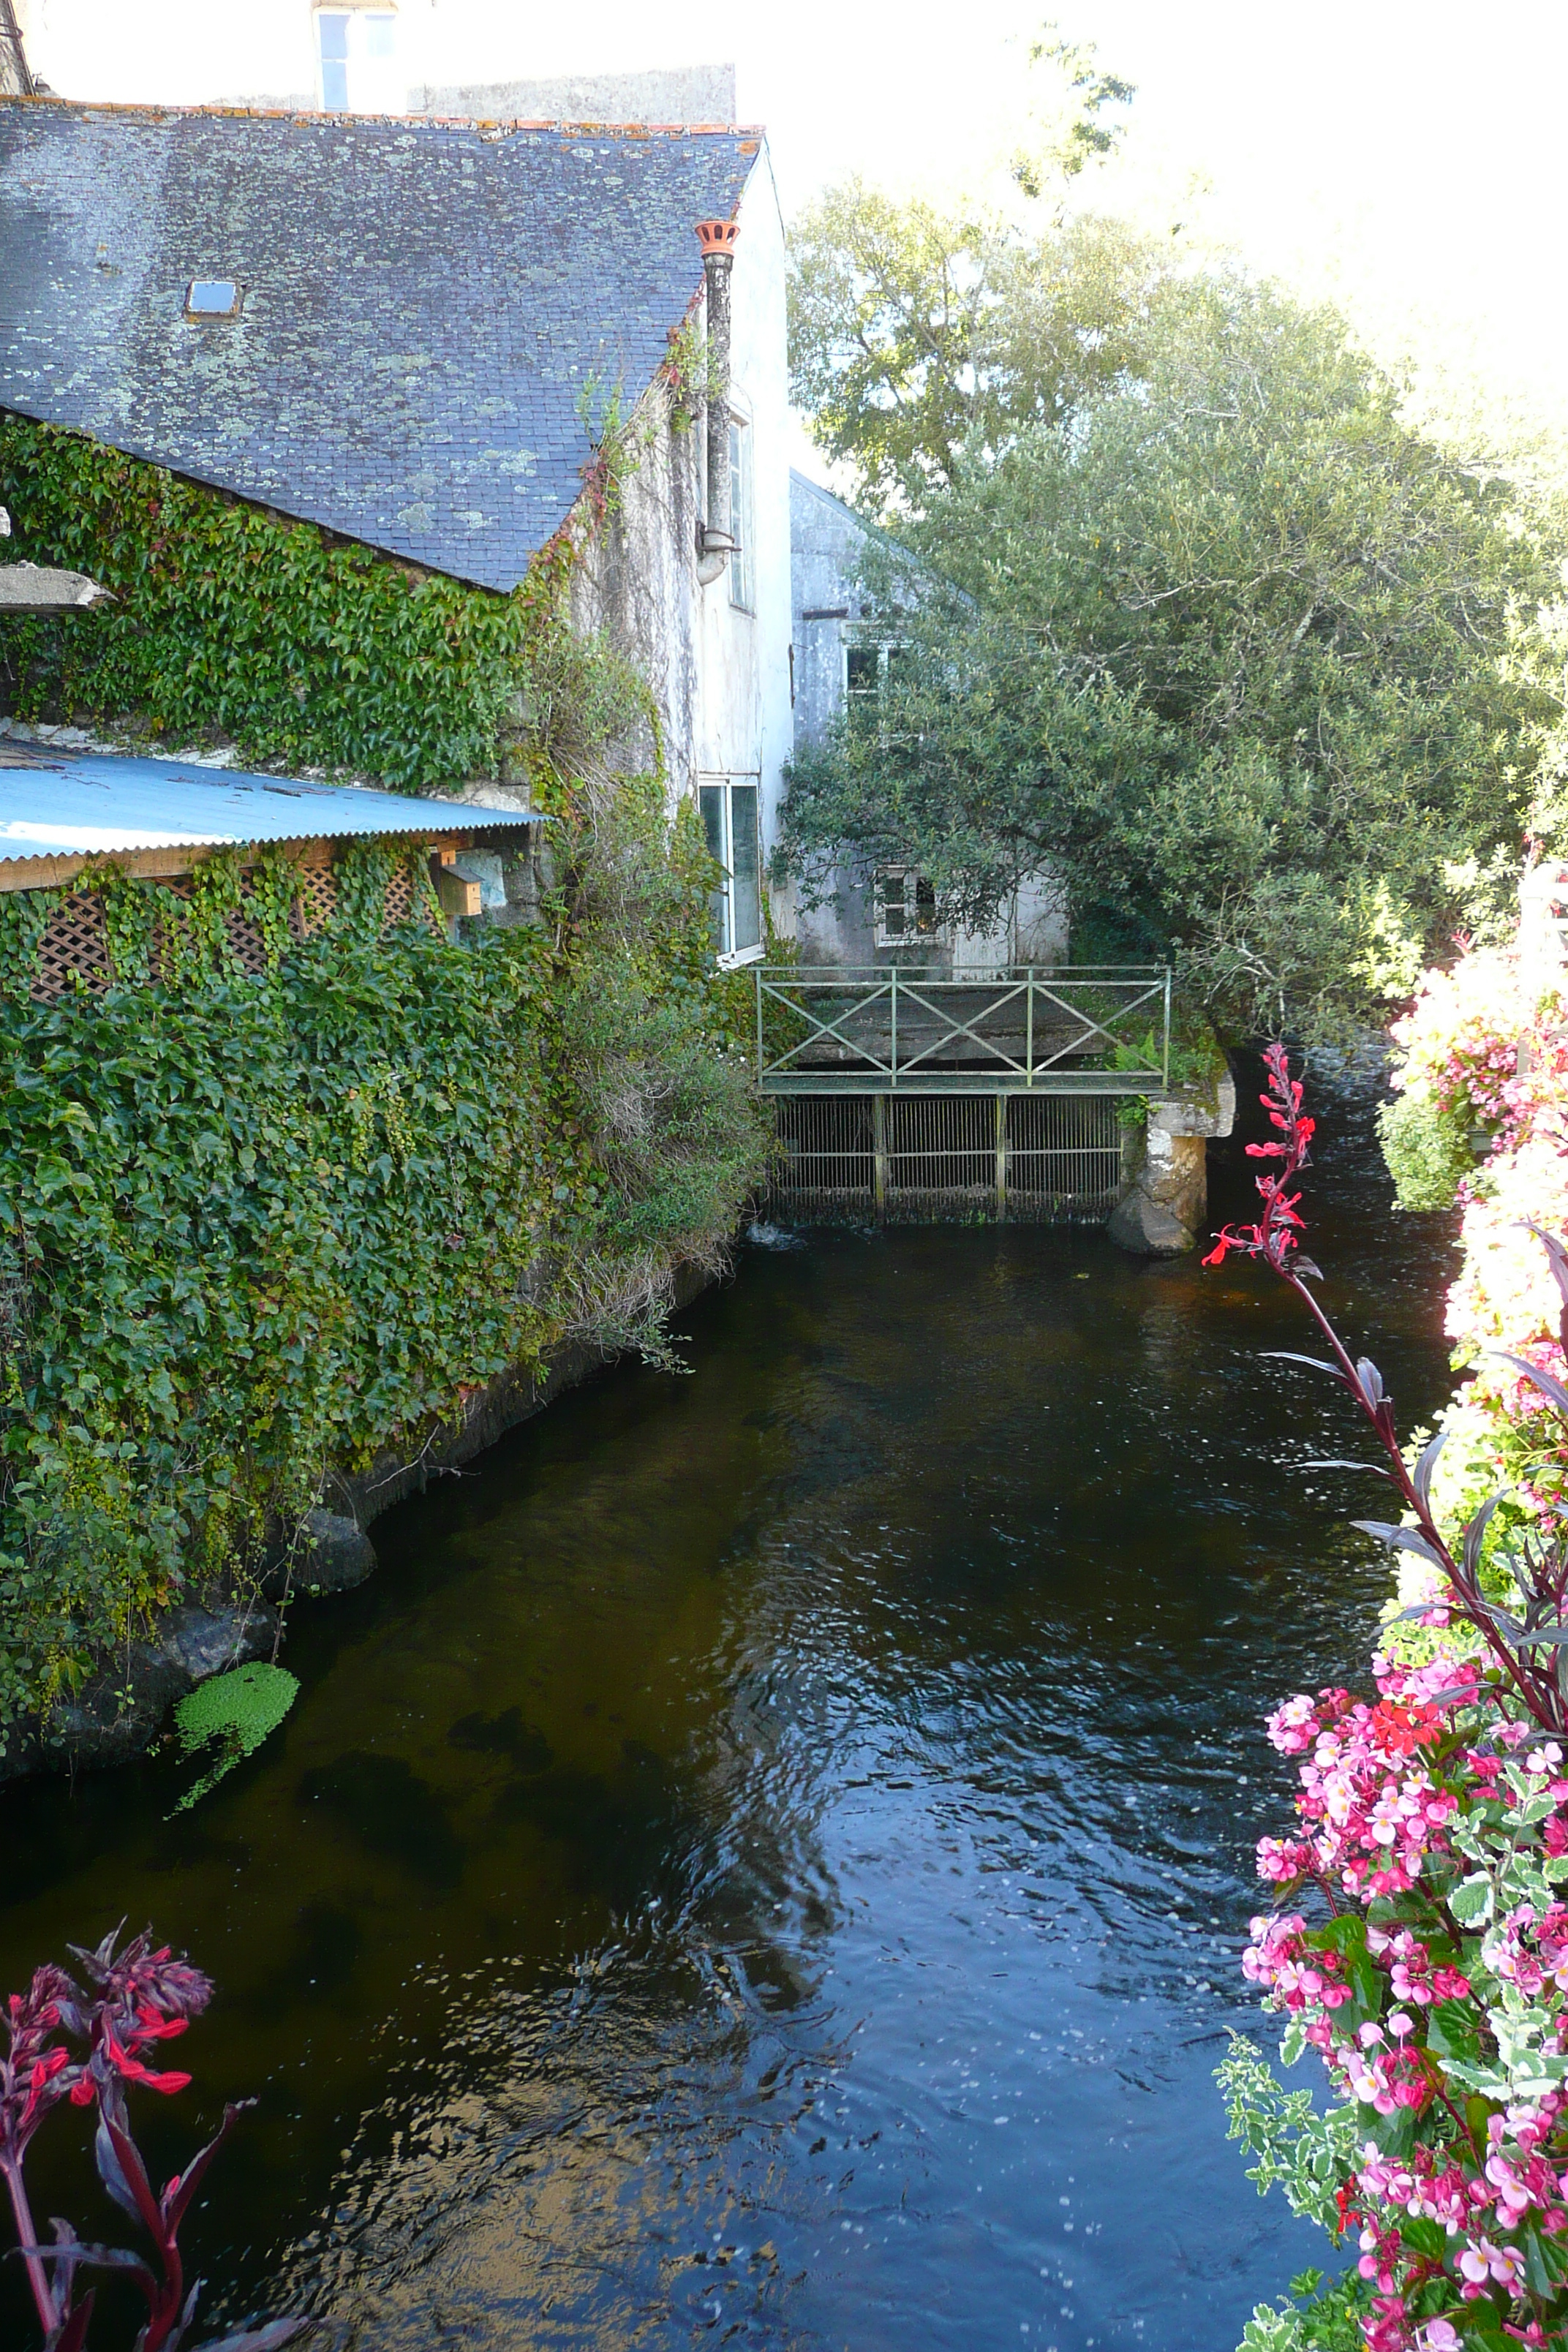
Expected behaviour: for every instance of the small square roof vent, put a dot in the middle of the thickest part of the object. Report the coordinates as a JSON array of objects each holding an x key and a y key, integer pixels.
[{"x": 212, "y": 298}]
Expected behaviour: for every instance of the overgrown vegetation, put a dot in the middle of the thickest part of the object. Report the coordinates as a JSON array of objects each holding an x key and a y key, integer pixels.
[
  {"x": 256, "y": 1229},
  {"x": 1230, "y": 652},
  {"x": 253, "y": 1229},
  {"x": 233, "y": 623},
  {"x": 1189, "y": 614}
]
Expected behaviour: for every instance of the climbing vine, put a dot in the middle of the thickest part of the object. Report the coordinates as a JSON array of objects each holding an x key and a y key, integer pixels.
[
  {"x": 230, "y": 623},
  {"x": 257, "y": 1227},
  {"x": 253, "y": 1228}
]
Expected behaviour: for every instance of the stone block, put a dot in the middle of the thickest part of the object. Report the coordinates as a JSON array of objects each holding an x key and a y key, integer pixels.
[
  {"x": 1147, "y": 1228},
  {"x": 331, "y": 1553}
]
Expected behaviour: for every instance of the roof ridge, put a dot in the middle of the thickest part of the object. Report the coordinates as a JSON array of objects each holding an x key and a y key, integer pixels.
[{"x": 166, "y": 107}]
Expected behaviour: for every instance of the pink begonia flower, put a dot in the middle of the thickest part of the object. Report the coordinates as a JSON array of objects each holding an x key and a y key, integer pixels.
[
  {"x": 1439, "y": 2335},
  {"x": 1282, "y": 1859},
  {"x": 1291, "y": 1727},
  {"x": 1483, "y": 2261}
]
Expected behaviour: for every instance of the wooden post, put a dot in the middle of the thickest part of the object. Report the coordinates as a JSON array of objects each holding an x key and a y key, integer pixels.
[{"x": 879, "y": 1157}]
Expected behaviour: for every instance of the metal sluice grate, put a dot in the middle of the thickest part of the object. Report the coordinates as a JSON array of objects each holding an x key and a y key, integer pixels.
[{"x": 940, "y": 1159}]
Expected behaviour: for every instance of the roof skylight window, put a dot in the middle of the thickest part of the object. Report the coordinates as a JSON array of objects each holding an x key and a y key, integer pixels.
[{"x": 212, "y": 298}]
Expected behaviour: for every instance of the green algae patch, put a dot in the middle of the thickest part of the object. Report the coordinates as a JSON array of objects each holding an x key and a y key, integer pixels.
[{"x": 232, "y": 1714}]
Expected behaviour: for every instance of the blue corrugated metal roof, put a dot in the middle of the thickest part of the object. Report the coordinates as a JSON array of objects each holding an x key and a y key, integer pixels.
[{"x": 64, "y": 804}]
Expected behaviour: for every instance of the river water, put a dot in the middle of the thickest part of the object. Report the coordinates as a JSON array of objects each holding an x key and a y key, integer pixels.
[{"x": 765, "y": 1859}]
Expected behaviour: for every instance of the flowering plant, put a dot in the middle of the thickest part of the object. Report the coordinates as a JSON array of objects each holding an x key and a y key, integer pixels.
[
  {"x": 1459, "y": 1040},
  {"x": 1481, "y": 1068},
  {"x": 1419, "y": 1941},
  {"x": 83, "y": 2048}
]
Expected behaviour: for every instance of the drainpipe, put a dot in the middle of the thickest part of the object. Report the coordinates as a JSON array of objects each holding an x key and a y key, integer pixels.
[{"x": 715, "y": 541}]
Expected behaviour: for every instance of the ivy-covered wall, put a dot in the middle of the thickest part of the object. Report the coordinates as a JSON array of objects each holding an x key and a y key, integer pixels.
[
  {"x": 233, "y": 623},
  {"x": 252, "y": 1229}
]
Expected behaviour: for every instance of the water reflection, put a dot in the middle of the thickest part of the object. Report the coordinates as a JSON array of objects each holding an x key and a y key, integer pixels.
[{"x": 766, "y": 1857}]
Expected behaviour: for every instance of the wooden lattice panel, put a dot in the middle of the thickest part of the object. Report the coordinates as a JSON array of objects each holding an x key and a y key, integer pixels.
[
  {"x": 399, "y": 907},
  {"x": 245, "y": 941},
  {"x": 317, "y": 901},
  {"x": 75, "y": 946}
]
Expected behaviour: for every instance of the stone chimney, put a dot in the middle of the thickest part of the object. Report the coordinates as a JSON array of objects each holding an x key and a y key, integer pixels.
[{"x": 716, "y": 541}]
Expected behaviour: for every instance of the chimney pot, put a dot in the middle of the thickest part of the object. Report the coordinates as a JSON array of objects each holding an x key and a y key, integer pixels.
[{"x": 717, "y": 237}]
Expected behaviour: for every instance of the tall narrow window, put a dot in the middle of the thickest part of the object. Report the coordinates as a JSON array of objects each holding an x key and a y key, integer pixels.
[
  {"x": 729, "y": 823},
  {"x": 357, "y": 50},
  {"x": 743, "y": 567},
  {"x": 332, "y": 40}
]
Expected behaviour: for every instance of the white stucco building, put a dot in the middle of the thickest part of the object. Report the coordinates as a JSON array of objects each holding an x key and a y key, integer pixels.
[{"x": 458, "y": 57}]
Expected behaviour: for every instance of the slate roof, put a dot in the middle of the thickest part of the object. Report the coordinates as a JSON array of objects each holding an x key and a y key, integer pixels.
[
  {"x": 423, "y": 304},
  {"x": 60, "y": 803}
]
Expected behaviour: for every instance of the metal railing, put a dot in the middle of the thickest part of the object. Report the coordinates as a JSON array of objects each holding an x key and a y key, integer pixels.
[{"x": 829, "y": 1030}]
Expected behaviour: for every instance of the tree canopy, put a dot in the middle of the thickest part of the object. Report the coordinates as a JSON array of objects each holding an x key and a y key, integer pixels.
[
  {"x": 1189, "y": 616},
  {"x": 917, "y": 330},
  {"x": 918, "y": 335}
]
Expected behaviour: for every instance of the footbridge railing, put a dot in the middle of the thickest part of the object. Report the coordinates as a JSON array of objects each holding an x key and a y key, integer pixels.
[{"x": 1076, "y": 1029}]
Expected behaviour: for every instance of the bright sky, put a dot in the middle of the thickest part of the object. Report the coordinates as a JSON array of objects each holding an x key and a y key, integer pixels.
[
  {"x": 1403, "y": 154},
  {"x": 1406, "y": 156}
]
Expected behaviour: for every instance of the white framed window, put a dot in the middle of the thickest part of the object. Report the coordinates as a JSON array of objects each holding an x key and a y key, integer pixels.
[
  {"x": 868, "y": 670},
  {"x": 903, "y": 906},
  {"x": 731, "y": 822},
  {"x": 357, "y": 57},
  {"x": 742, "y": 570}
]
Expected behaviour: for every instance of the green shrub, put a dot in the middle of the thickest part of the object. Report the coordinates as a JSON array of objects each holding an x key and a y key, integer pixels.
[
  {"x": 1426, "y": 1150},
  {"x": 256, "y": 1229}
]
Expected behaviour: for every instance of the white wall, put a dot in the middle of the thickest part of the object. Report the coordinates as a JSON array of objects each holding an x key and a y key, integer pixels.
[
  {"x": 199, "y": 52},
  {"x": 745, "y": 727},
  {"x": 460, "y": 57},
  {"x": 718, "y": 673}
]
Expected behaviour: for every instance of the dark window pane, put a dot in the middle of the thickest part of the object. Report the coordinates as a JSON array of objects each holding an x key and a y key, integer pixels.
[
  {"x": 711, "y": 798},
  {"x": 740, "y": 515},
  {"x": 860, "y": 669},
  {"x": 746, "y": 899}
]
